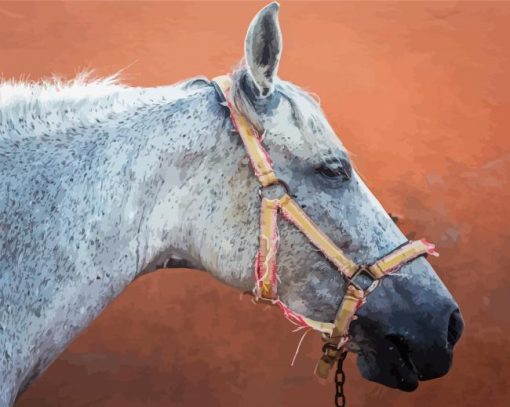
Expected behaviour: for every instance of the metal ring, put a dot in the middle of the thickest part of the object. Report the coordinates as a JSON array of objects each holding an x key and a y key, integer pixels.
[
  {"x": 372, "y": 287},
  {"x": 278, "y": 182},
  {"x": 362, "y": 269}
]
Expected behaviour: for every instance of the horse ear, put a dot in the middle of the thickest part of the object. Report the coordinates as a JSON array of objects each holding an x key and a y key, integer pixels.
[{"x": 263, "y": 48}]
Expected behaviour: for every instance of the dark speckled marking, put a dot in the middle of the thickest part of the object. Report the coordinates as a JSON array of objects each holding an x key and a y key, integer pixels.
[{"x": 94, "y": 194}]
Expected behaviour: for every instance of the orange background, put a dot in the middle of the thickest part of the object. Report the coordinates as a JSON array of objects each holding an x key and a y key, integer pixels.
[{"x": 419, "y": 92}]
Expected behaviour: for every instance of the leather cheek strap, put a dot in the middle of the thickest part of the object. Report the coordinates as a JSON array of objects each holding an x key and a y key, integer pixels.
[
  {"x": 260, "y": 161},
  {"x": 265, "y": 265}
]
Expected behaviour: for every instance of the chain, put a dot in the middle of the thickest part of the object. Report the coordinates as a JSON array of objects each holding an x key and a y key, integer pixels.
[{"x": 340, "y": 381}]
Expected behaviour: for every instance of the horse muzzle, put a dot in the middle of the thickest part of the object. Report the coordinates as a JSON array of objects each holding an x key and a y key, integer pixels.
[{"x": 412, "y": 343}]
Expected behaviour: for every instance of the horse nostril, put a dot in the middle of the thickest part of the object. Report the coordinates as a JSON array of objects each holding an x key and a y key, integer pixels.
[{"x": 455, "y": 327}]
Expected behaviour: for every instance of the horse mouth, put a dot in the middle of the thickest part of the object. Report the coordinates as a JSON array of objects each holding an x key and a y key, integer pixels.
[
  {"x": 392, "y": 368},
  {"x": 405, "y": 370}
]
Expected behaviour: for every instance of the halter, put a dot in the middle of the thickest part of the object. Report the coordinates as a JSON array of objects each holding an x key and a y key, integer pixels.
[{"x": 335, "y": 334}]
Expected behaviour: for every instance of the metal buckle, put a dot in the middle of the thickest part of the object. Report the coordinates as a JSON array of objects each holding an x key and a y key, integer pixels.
[
  {"x": 268, "y": 191},
  {"x": 365, "y": 286}
]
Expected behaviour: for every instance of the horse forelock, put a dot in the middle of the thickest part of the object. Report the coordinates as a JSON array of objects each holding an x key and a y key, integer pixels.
[{"x": 305, "y": 108}]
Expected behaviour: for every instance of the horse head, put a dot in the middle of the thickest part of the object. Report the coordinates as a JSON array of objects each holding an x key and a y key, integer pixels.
[{"x": 406, "y": 331}]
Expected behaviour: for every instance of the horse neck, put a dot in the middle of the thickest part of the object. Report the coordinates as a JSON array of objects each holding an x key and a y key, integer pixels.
[
  {"x": 174, "y": 178},
  {"x": 143, "y": 168},
  {"x": 114, "y": 218}
]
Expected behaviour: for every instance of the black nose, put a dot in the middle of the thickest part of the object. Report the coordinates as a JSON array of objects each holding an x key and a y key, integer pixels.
[
  {"x": 455, "y": 327},
  {"x": 429, "y": 354}
]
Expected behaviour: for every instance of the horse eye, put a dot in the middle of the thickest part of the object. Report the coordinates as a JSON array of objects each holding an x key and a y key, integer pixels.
[{"x": 335, "y": 169}]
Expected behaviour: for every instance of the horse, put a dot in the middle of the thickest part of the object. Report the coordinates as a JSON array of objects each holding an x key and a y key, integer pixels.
[{"x": 103, "y": 183}]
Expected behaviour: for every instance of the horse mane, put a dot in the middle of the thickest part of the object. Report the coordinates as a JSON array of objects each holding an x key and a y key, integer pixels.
[
  {"x": 30, "y": 94},
  {"x": 31, "y": 109},
  {"x": 27, "y": 108}
]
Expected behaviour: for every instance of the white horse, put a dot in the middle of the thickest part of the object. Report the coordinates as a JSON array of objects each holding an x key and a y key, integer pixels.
[{"x": 101, "y": 183}]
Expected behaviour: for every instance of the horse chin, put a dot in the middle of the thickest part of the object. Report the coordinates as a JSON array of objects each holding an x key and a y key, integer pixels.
[{"x": 394, "y": 370}]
